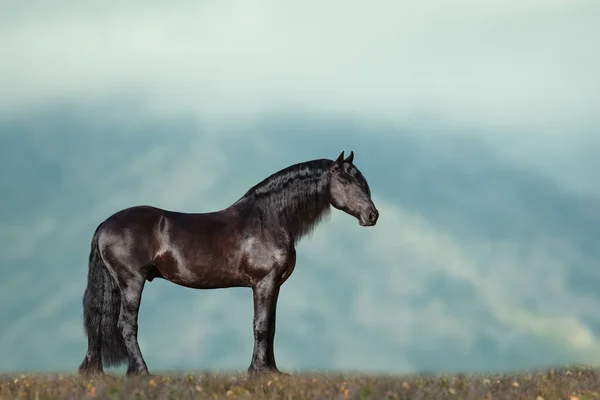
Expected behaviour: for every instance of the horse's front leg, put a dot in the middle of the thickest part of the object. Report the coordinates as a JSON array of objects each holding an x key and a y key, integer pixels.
[{"x": 265, "y": 294}]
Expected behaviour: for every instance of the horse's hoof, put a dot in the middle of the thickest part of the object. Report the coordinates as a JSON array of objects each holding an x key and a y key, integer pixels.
[
  {"x": 87, "y": 371},
  {"x": 265, "y": 371},
  {"x": 143, "y": 372},
  {"x": 92, "y": 374},
  {"x": 252, "y": 371}
]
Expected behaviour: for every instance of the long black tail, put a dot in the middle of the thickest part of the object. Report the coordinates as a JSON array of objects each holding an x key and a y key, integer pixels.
[{"x": 101, "y": 307}]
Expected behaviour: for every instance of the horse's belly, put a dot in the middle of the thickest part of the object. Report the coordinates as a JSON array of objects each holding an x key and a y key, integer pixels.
[
  {"x": 207, "y": 280},
  {"x": 200, "y": 274}
]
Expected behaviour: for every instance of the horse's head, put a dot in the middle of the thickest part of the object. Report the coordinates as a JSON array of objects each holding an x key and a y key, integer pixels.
[{"x": 350, "y": 191}]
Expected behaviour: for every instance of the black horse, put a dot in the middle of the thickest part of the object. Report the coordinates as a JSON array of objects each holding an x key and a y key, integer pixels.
[{"x": 249, "y": 244}]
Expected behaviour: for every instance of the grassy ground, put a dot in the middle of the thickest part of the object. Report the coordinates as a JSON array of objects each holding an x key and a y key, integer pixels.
[{"x": 569, "y": 383}]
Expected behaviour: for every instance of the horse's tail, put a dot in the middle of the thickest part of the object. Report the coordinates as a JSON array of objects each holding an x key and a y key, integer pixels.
[{"x": 101, "y": 308}]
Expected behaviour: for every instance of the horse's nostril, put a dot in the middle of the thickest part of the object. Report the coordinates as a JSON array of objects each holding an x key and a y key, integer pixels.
[{"x": 372, "y": 216}]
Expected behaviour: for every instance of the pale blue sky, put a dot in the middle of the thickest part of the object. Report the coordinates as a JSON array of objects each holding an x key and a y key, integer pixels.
[{"x": 475, "y": 123}]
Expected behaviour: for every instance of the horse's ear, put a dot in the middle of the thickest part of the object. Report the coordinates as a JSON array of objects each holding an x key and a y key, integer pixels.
[
  {"x": 338, "y": 162},
  {"x": 350, "y": 157}
]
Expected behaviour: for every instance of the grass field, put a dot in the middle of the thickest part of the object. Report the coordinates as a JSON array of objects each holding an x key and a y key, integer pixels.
[{"x": 567, "y": 383}]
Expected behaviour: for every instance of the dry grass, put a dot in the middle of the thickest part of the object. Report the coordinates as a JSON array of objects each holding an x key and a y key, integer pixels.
[{"x": 569, "y": 383}]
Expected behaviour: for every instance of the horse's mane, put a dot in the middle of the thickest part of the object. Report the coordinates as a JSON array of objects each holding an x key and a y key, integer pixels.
[{"x": 296, "y": 196}]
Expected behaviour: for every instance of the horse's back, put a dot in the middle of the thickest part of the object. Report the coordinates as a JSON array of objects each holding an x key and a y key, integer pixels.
[
  {"x": 142, "y": 223},
  {"x": 136, "y": 217}
]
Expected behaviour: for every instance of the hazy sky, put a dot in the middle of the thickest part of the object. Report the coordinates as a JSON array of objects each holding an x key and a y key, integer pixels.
[{"x": 476, "y": 124}]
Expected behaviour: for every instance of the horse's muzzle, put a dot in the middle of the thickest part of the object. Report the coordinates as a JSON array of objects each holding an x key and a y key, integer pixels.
[{"x": 369, "y": 218}]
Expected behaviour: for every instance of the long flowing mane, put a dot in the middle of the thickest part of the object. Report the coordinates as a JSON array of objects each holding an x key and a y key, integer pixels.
[{"x": 297, "y": 196}]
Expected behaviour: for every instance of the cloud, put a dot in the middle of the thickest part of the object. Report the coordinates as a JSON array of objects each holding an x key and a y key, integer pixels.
[
  {"x": 491, "y": 68},
  {"x": 517, "y": 75},
  {"x": 420, "y": 285},
  {"x": 12, "y": 235}
]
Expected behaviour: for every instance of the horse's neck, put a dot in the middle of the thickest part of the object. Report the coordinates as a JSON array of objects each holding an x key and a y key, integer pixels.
[
  {"x": 304, "y": 215},
  {"x": 297, "y": 211}
]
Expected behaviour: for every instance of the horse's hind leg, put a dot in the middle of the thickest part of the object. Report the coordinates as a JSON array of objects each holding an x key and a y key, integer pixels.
[
  {"x": 131, "y": 296},
  {"x": 131, "y": 285}
]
